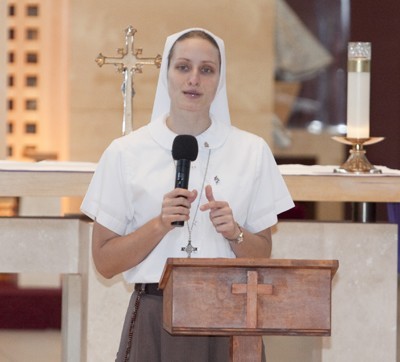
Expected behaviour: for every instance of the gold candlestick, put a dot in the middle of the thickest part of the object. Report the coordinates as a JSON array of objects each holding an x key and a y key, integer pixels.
[{"x": 357, "y": 162}]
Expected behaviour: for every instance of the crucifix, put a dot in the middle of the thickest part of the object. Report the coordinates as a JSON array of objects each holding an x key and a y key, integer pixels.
[{"x": 129, "y": 62}]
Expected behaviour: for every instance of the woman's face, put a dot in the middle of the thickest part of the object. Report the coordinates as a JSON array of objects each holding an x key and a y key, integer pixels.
[{"x": 193, "y": 75}]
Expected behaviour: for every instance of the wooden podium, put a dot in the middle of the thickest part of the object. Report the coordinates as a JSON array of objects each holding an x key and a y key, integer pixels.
[{"x": 246, "y": 299}]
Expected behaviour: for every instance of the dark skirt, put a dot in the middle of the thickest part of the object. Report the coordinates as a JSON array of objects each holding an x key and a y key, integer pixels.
[{"x": 151, "y": 343}]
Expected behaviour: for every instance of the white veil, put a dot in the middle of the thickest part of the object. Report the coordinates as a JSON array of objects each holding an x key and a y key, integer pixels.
[{"x": 219, "y": 107}]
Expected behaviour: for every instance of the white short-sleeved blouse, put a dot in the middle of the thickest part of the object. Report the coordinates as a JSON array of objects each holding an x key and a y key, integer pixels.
[{"x": 137, "y": 170}]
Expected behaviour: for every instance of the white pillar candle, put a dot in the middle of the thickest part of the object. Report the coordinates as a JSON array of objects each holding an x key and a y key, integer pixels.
[{"x": 358, "y": 90}]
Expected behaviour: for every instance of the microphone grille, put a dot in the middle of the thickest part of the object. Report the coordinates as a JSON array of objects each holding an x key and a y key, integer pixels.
[{"x": 185, "y": 147}]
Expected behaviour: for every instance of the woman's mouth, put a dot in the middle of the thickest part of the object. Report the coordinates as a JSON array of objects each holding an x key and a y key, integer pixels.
[{"x": 191, "y": 93}]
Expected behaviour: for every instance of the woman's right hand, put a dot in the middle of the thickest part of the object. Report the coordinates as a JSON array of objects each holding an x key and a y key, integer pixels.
[{"x": 176, "y": 206}]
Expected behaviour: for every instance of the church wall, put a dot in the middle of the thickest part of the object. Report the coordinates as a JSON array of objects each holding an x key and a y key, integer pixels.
[{"x": 96, "y": 104}]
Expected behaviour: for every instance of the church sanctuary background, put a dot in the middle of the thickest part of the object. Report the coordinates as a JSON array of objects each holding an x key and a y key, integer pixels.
[
  {"x": 59, "y": 105},
  {"x": 286, "y": 81}
]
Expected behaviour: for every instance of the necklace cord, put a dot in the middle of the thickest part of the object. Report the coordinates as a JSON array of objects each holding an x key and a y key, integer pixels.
[
  {"x": 190, "y": 229},
  {"x": 189, "y": 247}
]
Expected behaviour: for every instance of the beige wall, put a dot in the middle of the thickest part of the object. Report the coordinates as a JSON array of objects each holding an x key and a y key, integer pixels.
[{"x": 98, "y": 26}]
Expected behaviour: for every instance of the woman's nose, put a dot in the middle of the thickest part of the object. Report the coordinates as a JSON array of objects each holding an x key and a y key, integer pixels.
[{"x": 194, "y": 78}]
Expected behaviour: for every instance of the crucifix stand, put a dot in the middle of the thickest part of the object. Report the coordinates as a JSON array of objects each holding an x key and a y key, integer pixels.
[
  {"x": 128, "y": 63},
  {"x": 246, "y": 299}
]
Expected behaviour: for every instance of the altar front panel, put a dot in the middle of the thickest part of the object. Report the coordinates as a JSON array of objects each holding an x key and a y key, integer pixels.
[{"x": 364, "y": 291}]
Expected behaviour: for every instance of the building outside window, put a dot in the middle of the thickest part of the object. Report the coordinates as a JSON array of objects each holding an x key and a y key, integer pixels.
[
  {"x": 31, "y": 104},
  {"x": 10, "y": 105},
  {"x": 32, "y": 10},
  {"x": 29, "y": 151},
  {"x": 10, "y": 81},
  {"x": 11, "y": 34},
  {"x": 11, "y": 10},
  {"x": 11, "y": 57},
  {"x": 32, "y": 34},
  {"x": 31, "y": 81},
  {"x": 31, "y": 58},
  {"x": 30, "y": 128}
]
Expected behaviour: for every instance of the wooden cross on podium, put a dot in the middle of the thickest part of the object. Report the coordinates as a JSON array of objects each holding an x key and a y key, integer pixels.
[
  {"x": 128, "y": 63},
  {"x": 252, "y": 289}
]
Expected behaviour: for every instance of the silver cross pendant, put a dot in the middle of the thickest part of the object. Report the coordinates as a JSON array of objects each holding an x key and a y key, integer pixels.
[{"x": 189, "y": 249}]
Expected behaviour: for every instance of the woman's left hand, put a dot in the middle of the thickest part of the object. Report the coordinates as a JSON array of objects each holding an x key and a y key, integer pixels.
[
  {"x": 256, "y": 245},
  {"x": 221, "y": 215}
]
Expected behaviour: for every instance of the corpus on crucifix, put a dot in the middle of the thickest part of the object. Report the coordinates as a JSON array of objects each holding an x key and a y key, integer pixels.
[{"x": 128, "y": 62}]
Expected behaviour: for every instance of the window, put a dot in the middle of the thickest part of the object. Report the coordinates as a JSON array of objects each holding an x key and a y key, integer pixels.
[
  {"x": 31, "y": 104},
  {"x": 31, "y": 81},
  {"x": 29, "y": 151},
  {"x": 32, "y": 10},
  {"x": 30, "y": 128},
  {"x": 32, "y": 34},
  {"x": 10, "y": 80},
  {"x": 11, "y": 10},
  {"x": 31, "y": 58},
  {"x": 11, "y": 34},
  {"x": 11, "y": 57},
  {"x": 10, "y": 127},
  {"x": 10, "y": 105},
  {"x": 10, "y": 151}
]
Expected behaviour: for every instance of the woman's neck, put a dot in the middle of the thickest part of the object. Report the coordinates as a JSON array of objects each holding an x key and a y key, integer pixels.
[{"x": 188, "y": 123}]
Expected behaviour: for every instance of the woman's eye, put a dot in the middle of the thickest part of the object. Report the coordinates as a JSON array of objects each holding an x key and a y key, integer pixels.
[
  {"x": 207, "y": 70},
  {"x": 182, "y": 67}
]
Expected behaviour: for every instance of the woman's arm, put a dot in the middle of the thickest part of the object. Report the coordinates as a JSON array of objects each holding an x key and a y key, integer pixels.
[
  {"x": 257, "y": 245},
  {"x": 114, "y": 254}
]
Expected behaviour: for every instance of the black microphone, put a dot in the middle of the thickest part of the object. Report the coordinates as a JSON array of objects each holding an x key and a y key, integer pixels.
[{"x": 184, "y": 150}]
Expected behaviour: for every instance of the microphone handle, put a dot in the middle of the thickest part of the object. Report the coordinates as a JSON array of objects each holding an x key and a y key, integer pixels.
[{"x": 182, "y": 181}]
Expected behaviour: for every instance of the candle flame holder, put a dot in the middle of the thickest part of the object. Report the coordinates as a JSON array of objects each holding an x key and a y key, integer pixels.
[{"x": 357, "y": 162}]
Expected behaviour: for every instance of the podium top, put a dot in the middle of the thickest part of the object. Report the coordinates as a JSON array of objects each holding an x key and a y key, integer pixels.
[{"x": 333, "y": 265}]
